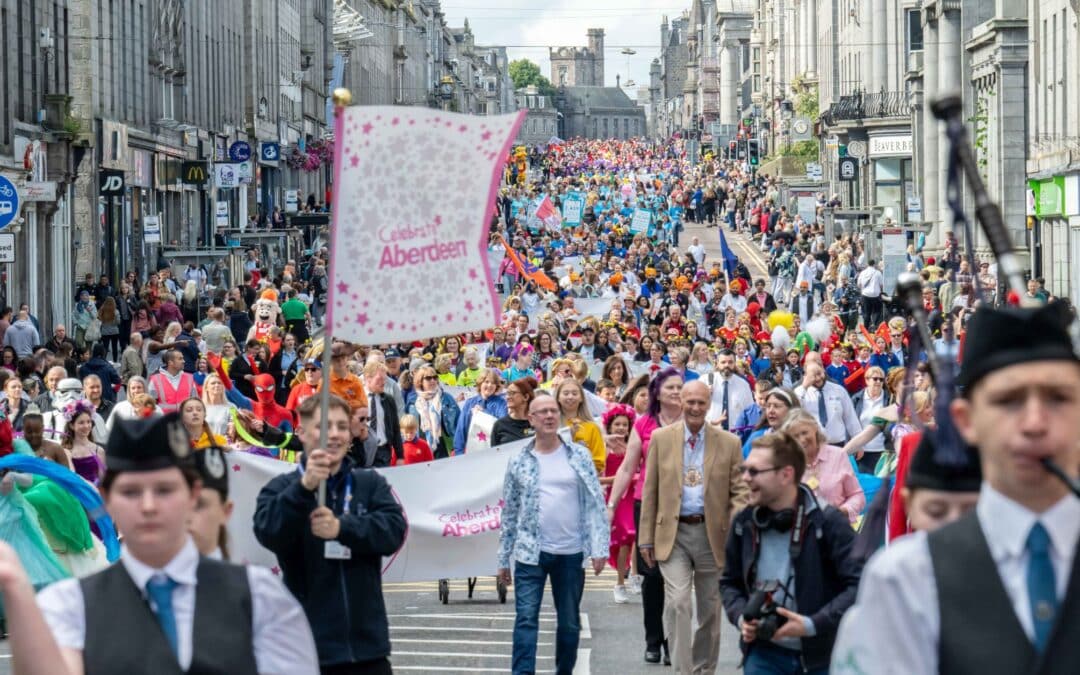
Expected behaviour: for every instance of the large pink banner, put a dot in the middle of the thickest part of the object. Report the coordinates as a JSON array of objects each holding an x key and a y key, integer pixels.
[{"x": 414, "y": 190}]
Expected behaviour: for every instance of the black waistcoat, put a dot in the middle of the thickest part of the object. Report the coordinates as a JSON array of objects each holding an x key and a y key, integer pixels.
[
  {"x": 123, "y": 634},
  {"x": 980, "y": 633}
]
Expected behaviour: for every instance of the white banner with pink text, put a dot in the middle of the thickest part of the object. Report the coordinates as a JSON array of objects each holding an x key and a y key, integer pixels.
[{"x": 453, "y": 508}]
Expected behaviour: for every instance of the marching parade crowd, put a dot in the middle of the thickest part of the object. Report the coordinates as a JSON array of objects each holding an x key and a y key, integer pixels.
[{"x": 789, "y": 454}]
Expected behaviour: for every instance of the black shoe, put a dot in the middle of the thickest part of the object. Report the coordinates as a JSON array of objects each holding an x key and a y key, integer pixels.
[
  {"x": 667, "y": 656},
  {"x": 652, "y": 656}
]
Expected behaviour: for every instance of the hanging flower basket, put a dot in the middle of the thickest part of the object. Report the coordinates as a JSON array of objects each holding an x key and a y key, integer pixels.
[{"x": 318, "y": 153}]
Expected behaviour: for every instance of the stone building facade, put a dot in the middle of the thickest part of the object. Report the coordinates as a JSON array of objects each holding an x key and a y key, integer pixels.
[
  {"x": 579, "y": 66},
  {"x": 599, "y": 113}
]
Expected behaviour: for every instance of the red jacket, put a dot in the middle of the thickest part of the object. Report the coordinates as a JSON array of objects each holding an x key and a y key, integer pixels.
[{"x": 417, "y": 451}]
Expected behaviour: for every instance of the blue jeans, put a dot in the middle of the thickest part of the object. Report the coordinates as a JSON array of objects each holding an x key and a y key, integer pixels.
[
  {"x": 770, "y": 659},
  {"x": 567, "y": 585}
]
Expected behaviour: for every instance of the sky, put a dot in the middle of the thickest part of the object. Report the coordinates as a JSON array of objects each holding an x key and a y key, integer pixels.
[{"x": 529, "y": 27}]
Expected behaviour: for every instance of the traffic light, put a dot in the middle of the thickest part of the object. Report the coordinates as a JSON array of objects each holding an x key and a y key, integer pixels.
[
  {"x": 753, "y": 150},
  {"x": 733, "y": 149}
]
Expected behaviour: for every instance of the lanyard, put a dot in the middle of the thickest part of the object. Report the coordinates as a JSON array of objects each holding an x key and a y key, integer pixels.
[{"x": 348, "y": 487}]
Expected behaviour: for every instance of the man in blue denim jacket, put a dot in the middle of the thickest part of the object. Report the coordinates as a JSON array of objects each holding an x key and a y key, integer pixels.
[{"x": 553, "y": 523}]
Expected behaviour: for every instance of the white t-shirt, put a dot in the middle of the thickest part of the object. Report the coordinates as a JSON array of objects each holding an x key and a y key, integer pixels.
[{"x": 560, "y": 506}]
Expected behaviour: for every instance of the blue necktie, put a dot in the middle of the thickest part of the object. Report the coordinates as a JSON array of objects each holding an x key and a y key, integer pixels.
[
  {"x": 160, "y": 588},
  {"x": 823, "y": 412},
  {"x": 1042, "y": 590}
]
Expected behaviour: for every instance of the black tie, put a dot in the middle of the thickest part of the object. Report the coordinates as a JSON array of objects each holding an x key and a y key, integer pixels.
[
  {"x": 823, "y": 413},
  {"x": 724, "y": 402}
]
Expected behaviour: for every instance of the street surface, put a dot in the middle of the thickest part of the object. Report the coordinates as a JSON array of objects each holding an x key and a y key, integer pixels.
[{"x": 474, "y": 636}]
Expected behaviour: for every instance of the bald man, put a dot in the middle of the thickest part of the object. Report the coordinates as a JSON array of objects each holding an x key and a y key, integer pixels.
[
  {"x": 829, "y": 403},
  {"x": 692, "y": 491}
]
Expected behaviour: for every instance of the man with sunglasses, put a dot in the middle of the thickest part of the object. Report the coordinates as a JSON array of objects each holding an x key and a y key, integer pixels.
[{"x": 786, "y": 541}]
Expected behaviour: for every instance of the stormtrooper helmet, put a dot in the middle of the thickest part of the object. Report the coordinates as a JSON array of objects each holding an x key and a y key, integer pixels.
[{"x": 68, "y": 390}]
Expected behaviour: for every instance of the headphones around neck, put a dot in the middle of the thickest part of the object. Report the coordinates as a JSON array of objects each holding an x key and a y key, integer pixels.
[{"x": 765, "y": 518}]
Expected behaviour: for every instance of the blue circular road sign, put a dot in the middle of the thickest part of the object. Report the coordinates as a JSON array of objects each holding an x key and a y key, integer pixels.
[
  {"x": 240, "y": 151},
  {"x": 9, "y": 202}
]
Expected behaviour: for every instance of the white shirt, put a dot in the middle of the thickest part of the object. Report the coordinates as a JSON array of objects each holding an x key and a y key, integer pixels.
[
  {"x": 894, "y": 625},
  {"x": 807, "y": 272},
  {"x": 871, "y": 282},
  {"x": 275, "y": 612},
  {"x": 560, "y": 505},
  {"x": 740, "y": 396},
  {"x": 842, "y": 423},
  {"x": 218, "y": 416},
  {"x": 123, "y": 411},
  {"x": 869, "y": 407},
  {"x": 736, "y": 302},
  {"x": 693, "y": 497},
  {"x": 697, "y": 252}
]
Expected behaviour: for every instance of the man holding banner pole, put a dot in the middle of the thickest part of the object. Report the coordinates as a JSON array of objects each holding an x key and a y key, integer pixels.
[
  {"x": 553, "y": 526},
  {"x": 331, "y": 555}
]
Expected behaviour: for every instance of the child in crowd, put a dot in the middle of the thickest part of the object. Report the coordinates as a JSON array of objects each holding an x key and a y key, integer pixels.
[
  {"x": 417, "y": 449},
  {"x": 618, "y": 421}
]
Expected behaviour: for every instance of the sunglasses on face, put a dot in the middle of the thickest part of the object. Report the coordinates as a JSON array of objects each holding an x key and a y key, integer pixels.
[
  {"x": 428, "y": 378},
  {"x": 876, "y": 379},
  {"x": 754, "y": 472}
]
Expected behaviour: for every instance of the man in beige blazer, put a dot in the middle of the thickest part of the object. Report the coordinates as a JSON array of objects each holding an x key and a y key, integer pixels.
[{"x": 692, "y": 491}]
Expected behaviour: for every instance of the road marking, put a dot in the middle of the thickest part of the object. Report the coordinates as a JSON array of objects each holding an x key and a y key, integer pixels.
[
  {"x": 582, "y": 667},
  {"x": 460, "y": 629},
  {"x": 586, "y": 631},
  {"x": 447, "y": 669},
  {"x": 444, "y": 669},
  {"x": 501, "y": 643},
  {"x": 469, "y": 655},
  {"x": 489, "y": 617}
]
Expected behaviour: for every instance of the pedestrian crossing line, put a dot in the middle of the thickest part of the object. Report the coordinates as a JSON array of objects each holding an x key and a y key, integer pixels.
[
  {"x": 492, "y": 643},
  {"x": 594, "y": 586},
  {"x": 462, "y": 629},
  {"x": 495, "y": 616},
  {"x": 448, "y": 669},
  {"x": 586, "y": 630},
  {"x": 471, "y": 655},
  {"x": 582, "y": 666}
]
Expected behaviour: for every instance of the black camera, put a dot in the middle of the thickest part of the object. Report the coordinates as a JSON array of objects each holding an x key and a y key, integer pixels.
[{"x": 760, "y": 607}]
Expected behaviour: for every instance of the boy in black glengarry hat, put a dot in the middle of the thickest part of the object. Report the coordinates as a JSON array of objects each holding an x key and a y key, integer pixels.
[
  {"x": 997, "y": 591},
  {"x": 164, "y": 608}
]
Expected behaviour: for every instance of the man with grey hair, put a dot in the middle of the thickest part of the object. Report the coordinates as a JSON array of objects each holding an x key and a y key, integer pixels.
[
  {"x": 216, "y": 333},
  {"x": 52, "y": 378},
  {"x": 392, "y": 387},
  {"x": 131, "y": 361}
]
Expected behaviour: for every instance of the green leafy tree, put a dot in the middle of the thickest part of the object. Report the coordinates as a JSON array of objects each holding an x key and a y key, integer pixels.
[{"x": 524, "y": 72}]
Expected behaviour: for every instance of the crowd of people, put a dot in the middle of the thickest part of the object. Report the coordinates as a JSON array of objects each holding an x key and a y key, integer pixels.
[{"x": 717, "y": 438}]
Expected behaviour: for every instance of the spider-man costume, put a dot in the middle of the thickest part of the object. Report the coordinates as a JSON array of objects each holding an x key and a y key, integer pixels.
[{"x": 264, "y": 406}]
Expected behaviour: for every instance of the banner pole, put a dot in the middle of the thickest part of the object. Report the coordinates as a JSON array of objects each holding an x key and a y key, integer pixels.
[{"x": 342, "y": 97}]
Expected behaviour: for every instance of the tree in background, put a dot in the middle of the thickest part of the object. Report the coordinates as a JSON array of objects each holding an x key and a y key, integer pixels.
[{"x": 524, "y": 72}]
